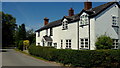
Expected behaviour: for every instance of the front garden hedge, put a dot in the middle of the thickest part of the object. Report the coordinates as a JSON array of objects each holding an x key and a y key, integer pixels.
[{"x": 78, "y": 58}]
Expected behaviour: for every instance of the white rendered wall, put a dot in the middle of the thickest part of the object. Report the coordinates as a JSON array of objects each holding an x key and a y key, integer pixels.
[
  {"x": 39, "y": 39},
  {"x": 103, "y": 22},
  {"x": 70, "y": 33}
]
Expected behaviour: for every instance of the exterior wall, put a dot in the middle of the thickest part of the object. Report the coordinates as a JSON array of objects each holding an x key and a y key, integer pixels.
[
  {"x": 100, "y": 25},
  {"x": 92, "y": 34},
  {"x": 103, "y": 23},
  {"x": 83, "y": 32},
  {"x": 119, "y": 25},
  {"x": 70, "y": 33},
  {"x": 39, "y": 39}
]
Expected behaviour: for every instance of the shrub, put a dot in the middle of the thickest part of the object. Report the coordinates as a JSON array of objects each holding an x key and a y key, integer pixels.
[
  {"x": 20, "y": 45},
  {"x": 78, "y": 58},
  {"x": 104, "y": 42}
]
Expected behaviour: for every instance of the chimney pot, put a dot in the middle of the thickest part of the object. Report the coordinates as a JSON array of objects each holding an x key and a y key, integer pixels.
[
  {"x": 71, "y": 12},
  {"x": 87, "y": 5},
  {"x": 46, "y": 20}
]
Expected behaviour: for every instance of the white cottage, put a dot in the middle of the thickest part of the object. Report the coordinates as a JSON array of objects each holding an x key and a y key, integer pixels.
[{"x": 81, "y": 30}]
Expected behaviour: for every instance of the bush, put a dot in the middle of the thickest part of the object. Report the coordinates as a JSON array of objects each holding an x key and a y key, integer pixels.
[
  {"x": 20, "y": 45},
  {"x": 78, "y": 58},
  {"x": 104, "y": 42}
]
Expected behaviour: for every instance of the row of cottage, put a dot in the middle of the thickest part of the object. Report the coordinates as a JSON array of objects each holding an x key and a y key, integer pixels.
[{"x": 80, "y": 31}]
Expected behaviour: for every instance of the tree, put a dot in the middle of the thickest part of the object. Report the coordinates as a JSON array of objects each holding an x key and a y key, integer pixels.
[
  {"x": 104, "y": 42},
  {"x": 8, "y": 29},
  {"x": 22, "y": 32},
  {"x": 30, "y": 36},
  {"x": 20, "y": 36}
]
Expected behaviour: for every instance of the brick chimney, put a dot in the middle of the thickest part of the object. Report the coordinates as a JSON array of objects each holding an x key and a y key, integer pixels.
[
  {"x": 46, "y": 20},
  {"x": 71, "y": 12},
  {"x": 87, "y": 5}
]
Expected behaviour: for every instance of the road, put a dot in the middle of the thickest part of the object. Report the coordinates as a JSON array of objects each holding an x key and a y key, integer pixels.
[{"x": 11, "y": 57}]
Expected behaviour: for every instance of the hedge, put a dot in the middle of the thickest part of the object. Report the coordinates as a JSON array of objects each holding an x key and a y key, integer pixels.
[{"x": 78, "y": 58}]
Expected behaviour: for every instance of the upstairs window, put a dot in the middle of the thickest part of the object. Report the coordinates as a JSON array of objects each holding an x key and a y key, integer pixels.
[
  {"x": 38, "y": 34},
  {"x": 114, "y": 21},
  {"x": 84, "y": 19},
  {"x": 51, "y": 32},
  {"x": 64, "y": 25}
]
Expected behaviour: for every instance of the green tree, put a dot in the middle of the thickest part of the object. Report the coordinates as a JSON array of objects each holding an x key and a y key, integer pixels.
[
  {"x": 30, "y": 36},
  {"x": 104, "y": 42},
  {"x": 20, "y": 36},
  {"x": 22, "y": 32},
  {"x": 8, "y": 29}
]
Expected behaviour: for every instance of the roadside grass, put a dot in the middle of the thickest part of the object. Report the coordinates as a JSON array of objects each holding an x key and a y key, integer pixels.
[
  {"x": 30, "y": 55},
  {"x": 36, "y": 56}
]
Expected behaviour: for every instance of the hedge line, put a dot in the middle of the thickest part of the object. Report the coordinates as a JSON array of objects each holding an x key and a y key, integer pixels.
[{"x": 78, "y": 58}]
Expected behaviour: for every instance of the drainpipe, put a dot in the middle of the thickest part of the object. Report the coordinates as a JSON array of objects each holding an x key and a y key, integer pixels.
[
  {"x": 78, "y": 34},
  {"x": 89, "y": 32}
]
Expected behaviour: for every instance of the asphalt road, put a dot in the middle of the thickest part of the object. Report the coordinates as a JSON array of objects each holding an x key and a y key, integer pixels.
[{"x": 11, "y": 57}]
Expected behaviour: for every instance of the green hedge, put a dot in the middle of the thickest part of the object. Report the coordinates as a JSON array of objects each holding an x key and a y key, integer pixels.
[{"x": 78, "y": 58}]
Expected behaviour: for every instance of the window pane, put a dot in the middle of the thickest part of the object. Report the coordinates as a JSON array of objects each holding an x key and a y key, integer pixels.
[
  {"x": 82, "y": 43},
  {"x": 69, "y": 43},
  {"x": 66, "y": 40},
  {"x": 69, "y": 40},
  {"x": 82, "y": 39},
  {"x": 86, "y": 39},
  {"x": 116, "y": 43}
]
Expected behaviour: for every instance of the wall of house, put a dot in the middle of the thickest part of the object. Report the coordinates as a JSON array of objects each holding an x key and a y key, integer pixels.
[
  {"x": 70, "y": 33},
  {"x": 39, "y": 39},
  {"x": 92, "y": 34},
  {"x": 103, "y": 22},
  {"x": 119, "y": 25},
  {"x": 83, "y": 33}
]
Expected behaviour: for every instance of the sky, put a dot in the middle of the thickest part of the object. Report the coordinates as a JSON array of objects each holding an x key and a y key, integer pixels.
[{"x": 33, "y": 13}]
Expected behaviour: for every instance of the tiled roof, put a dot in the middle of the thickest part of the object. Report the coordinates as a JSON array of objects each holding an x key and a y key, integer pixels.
[{"x": 92, "y": 12}]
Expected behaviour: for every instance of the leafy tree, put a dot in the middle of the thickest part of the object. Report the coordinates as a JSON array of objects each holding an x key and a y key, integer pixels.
[
  {"x": 104, "y": 42},
  {"x": 22, "y": 32},
  {"x": 30, "y": 36},
  {"x": 20, "y": 36},
  {"x": 8, "y": 29}
]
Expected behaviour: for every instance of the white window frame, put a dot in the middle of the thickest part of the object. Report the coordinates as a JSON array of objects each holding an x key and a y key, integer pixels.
[
  {"x": 84, "y": 19},
  {"x": 64, "y": 25},
  {"x": 68, "y": 43},
  {"x": 83, "y": 42},
  {"x": 61, "y": 42},
  {"x": 115, "y": 43},
  {"x": 114, "y": 20}
]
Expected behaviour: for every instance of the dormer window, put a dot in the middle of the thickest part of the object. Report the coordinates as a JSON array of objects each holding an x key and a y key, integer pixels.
[
  {"x": 84, "y": 19},
  {"x": 114, "y": 21},
  {"x": 64, "y": 25}
]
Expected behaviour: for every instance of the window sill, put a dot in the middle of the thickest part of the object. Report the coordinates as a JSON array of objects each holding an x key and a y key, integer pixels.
[
  {"x": 65, "y": 29},
  {"x": 67, "y": 48},
  {"x": 83, "y": 25}
]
